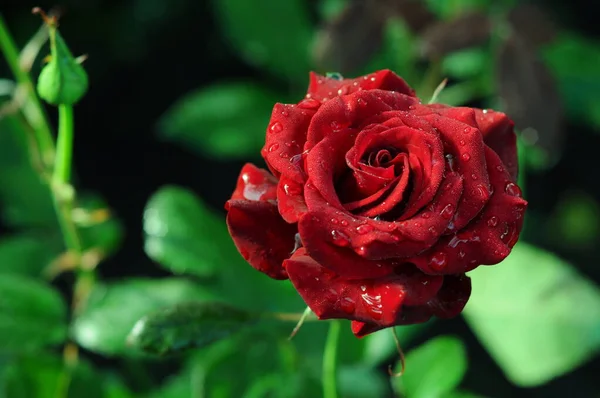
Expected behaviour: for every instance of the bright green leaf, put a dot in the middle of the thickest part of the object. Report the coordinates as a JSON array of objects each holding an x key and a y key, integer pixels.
[
  {"x": 27, "y": 255},
  {"x": 574, "y": 62},
  {"x": 121, "y": 305},
  {"x": 466, "y": 63},
  {"x": 181, "y": 233},
  {"x": 187, "y": 325},
  {"x": 32, "y": 314},
  {"x": 535, "y": 314},
  {"x": 224, "y": 120},
  {"x": 433, "y": 369},
  {"x": 271, "y": 34}
]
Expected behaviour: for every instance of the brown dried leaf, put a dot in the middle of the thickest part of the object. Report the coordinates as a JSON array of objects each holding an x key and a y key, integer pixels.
[
  {"x": 532, "y": 24},
  {"x": 414, "y": 12},
  {"x": 529, "y": 94},
  {"x": 348, "y": 41},
  {"x": 444, "y": 37}
]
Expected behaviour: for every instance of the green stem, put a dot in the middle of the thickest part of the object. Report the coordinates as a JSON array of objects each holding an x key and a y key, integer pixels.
[
  {"x": 32, "y": 109},
  {"x": 330, "y": 361}
]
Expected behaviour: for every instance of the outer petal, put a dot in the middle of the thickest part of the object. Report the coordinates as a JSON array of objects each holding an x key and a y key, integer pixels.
[
  {"x": 322, "y": 88},
  {"x": 489, "y": 238},
  {"x": 255, "y": 184},
  {"x": 285, "y": 139},
  {"x": 290, "y": 200},
  {"x": 262, "y": 237},
  {"x": 448, "y": 303},
  {"x": 497, "y": 130},
  {"x": 378, "y": 301}
]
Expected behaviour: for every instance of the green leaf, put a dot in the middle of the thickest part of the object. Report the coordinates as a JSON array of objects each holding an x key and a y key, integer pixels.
[
  {"x": 575, "y": 222},
  {"x": 462, "y": 394},
  {"x": 574, "y": 62},
  {"x": 224, "y": 120},
  {"x": 361, "y": 381},
  {"x": 433, "y": 369},
  {"x": 104, "y": 235},
  {"x": 270, "y": 34},
  {"x": 24, "y": 197},
  {"x": 182, "y": 234},
  {"x": 380, "y": 346},
  {"x": 27, "y": 254},
  {"x": 43, "y": 376},
  {"x": 187, "y": 325},
  {"x": 465, "y": 64},
  {"x": 535, "y": 314},
  {"x": 122, "y": 304},
  {"x": 32, "y": 315}
]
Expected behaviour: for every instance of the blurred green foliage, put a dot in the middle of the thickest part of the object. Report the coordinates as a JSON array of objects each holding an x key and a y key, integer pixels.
[{"x": 536, "y": 314}]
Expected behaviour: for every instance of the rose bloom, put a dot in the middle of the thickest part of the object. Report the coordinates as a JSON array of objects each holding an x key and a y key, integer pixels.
[{"x": 375, "y": 204}]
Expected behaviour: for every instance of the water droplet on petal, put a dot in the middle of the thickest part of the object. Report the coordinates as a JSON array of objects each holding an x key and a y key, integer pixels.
[
  {"x": 462, "y": 142},
  {"x": 344, "y": 223},
  {"x": 284, "y": 155},
  {"x": 483, "y": 192},
  {"x": 432, "y": 230},
  {"x": 467, "y": 129},
  {"x": 499, "y": 168},
  {"x": 390, "y": 226},
  {"x": 438, "y": 261},
  {"x": 343, "y": 90},
  {"x": 339, "y": 238},
  {"x": 512, "y": 189},
  {"x": 309, "y": 103},
  {"x": 426, "y": 214},
  {"x": 493, "y": 221},
  {"x": 466, "y": 157},
  {"x": 276, "y": 127},
  {"x": 474, "y": 176},
  {"x": 334, "y": 221},
  {"x": 447, "y": 211},
  {"x": 361, "y": 251},
  {"x": 364, "y": 229},
  {"x": 273, "y": 147}
]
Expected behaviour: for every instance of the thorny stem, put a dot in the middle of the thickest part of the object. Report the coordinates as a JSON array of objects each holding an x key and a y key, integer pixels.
[
  {"x": 330, "y": 360},
  {"x": 32, "y": 108}
]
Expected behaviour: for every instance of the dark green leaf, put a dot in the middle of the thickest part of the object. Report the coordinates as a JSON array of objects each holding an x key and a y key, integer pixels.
[
  {"x": 361, "y": 381},
  {"x": 270, "y": 34},
  {"x": 32, "y": 314},
  {"x": 99, "y": 229},
  {"x": 575, "y": 222},
  {"x": 433, "y": 369},
  {"x": 544, "y": 325},
  {"x": 187, "y": 325},
  {"x": 27, "y": 255},
  {"x": 43, "y": 376},
  {"x": 223, "y": 120},
  {"x": 183, "y": 235},
  {"x": 574, "y": 62},
  {"x": 24, "y": 197},
  {"x": 122, "y": 304}
]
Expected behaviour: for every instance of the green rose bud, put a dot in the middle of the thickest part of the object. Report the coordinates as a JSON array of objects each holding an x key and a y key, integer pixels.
[{"x": 63, "y": 80}]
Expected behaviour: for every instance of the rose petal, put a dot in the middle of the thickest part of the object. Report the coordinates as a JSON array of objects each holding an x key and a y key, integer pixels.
[
  {"x": 378, "y": 301},
  {"x": 448, "y": 303},
  {"x": 255, "y": 184},
  {"x": 376, "y": 239},
  {"x": 262, "y": 237},
  {"x": 489, "y": 238},
  {"x": 322, "y": 88},
  {"x": 290, "y": 200},
  {"x": 353, "y": 111},
  {"x": 285, "y": 139},
  {"x": 465, "y": 144},
  {"x": 498, "y": 134}
]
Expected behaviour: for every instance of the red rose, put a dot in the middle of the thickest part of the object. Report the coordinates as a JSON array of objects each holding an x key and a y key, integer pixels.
[{"x": 377, "y": 204}]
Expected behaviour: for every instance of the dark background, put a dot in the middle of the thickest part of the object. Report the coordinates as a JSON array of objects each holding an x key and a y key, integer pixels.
[{"x": 141, "y": 61}]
